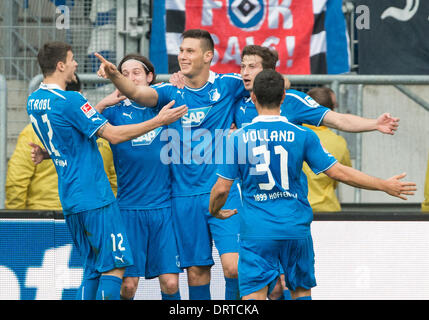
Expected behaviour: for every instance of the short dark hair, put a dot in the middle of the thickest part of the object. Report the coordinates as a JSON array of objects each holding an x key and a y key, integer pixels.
[
  {"x": 74, "y": 85},
  {"x": 147, "y": 65},
  {"x": 323, "y": 96},
  {"x": 50, "y": 54},
  {"x": 269, "y": 56},
  {"x": 269, "y": 88},
  {"x": 207, "y": 43}
]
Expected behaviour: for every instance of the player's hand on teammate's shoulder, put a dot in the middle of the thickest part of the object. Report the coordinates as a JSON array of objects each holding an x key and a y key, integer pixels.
[
  {"x": 106, "y": 69},
  {"x": 110, "y": 100},
  {"x": 168, "y": 114},
  {"x": 398, "y": 188},
  {"x": 387, "y": 124},
  {"x": 177, "y": 79}
]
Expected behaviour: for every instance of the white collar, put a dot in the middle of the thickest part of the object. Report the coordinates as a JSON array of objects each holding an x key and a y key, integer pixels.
[
  {"x": 269, "y": 118},
  {"x": 50, "y": 86},
  {"x": 212, "y": 77}
]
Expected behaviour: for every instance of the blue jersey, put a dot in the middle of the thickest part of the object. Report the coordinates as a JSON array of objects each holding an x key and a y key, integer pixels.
[
  {"x": 196, "y": 141},
  {"x": 267, "y": 156},
  {"x": 297, "y": 107},
  {"x": 66, "y": 124},
  {"x": 143, "y": 180}
]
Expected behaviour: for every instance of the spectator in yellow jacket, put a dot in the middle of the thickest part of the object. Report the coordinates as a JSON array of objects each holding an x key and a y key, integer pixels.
[
  {"x": 425, "y": 204},
  {"x": 35, "y": 187},
  {"x": 321, "y": 188}
]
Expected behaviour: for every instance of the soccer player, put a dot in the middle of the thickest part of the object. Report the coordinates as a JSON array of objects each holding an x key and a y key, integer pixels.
[
  {"x": 35, "y": 187},
  {"x": 68, "y": 125},
  {"x": 297, "y": 107},
  {"x": 194, "y": 142},
  {"x": 267, "y": 156},
  {"x": 145, "y": 206}
]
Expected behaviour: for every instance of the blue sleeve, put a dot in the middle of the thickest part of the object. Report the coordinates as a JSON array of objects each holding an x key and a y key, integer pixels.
[
  {"x": 108, "y": 113},
  {"x": 165, "y": 94},
  {"x": 317, "y": 158},
  {"x": 228, "y": 169},
  {"x": 300, "y": 108},
  {"x": 236, "y": 86},
  {"x": 82, "y": 115},
  {"x": 112, "y": 114}
]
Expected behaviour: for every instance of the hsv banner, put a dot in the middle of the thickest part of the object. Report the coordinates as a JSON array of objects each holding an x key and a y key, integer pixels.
[
  {"x": 296, "y": 29},
  {"x": 239, "y": 23}
]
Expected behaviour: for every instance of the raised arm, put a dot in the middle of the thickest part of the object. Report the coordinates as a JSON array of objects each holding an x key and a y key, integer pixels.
[
  {"x": 385, "y": 123},
  {"x": 144, "y": 95},
  {"x": 392, "y": 186},
  {"x": 118, "y": 134}
]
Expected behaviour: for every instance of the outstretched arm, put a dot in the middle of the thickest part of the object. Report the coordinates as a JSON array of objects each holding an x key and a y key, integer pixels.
[
  {"x": 118, "y": 134},
  {"x": 218, "y": 197},
  {"x": 385, "y": 123},
  {"x": 144, "y": 95},
  {"x": 392, "y": 186}
]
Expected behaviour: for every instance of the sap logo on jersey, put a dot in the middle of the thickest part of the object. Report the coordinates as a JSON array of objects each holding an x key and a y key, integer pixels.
[
  {"x": 195, "y": 117},
  {"x": 146, "y": 139}
]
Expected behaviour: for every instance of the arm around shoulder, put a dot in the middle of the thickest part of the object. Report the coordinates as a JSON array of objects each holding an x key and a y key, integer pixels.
[{"x": 118, "y": 134}]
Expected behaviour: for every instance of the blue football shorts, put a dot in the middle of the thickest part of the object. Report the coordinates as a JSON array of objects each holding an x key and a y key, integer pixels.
[
  {"x": 101, "y": 239},
  {"x": 153, "y": 242},
  {"x": 196, "y": 229},
  {"x": 258, "y": 264}
]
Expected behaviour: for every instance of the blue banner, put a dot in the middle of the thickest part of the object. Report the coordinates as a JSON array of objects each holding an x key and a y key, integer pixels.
[{"x": 38, "y": 260}]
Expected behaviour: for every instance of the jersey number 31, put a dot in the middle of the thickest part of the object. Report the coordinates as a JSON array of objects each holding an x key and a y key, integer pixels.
[{"x": 265, "y": 167}]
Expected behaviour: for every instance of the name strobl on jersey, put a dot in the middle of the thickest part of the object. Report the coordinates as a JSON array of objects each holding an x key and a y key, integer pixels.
[{"x": 39, "y": 104}]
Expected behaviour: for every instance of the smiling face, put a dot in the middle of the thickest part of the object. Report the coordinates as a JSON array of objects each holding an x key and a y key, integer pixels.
[
  {"x": 134, "y": 70},
  {"x": 192, "y": 59},
  {"x": 69, "y": 67},
  {"x": 251, "y": 65}
]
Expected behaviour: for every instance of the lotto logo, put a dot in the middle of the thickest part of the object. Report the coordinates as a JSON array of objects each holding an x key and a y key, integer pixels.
[
  {"x": 88, "y": 110},
  {"x": 195, "y": 117}
]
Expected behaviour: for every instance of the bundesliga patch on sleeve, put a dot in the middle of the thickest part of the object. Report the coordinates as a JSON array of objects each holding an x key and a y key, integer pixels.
[
  {"x": 311, "y": 102},
  {"x": 88, "y": 110}
]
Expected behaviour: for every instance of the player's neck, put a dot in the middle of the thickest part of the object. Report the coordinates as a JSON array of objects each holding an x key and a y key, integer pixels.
[
  {"x": 267, "y": 111},
  {"x": 198, "y": 80},
  {"x": 55, "y": 79}
]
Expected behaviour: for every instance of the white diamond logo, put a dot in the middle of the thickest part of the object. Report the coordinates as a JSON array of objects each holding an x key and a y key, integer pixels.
[{"x": 245, "y": 10}]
